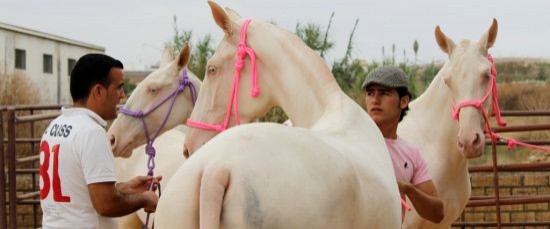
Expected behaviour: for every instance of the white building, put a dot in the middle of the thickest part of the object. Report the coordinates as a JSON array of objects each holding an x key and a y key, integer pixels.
[{"x": 45, "y": 59}]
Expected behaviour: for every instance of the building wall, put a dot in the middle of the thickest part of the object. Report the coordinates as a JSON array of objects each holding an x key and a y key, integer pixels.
[{"x": 54, "y": 87}]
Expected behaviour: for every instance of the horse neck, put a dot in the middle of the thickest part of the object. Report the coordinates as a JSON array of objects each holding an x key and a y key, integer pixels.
[
  {"x": 435, "y": 101},
  {"x": 308, "y": 86}
]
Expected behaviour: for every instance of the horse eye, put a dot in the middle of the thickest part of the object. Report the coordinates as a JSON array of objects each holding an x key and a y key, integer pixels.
[
  {"x": 211, "y": 70},
  {"x": 153, "y": 90}
]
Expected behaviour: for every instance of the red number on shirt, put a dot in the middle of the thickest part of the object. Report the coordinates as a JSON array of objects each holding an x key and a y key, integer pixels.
[{"x": 57, "y": 195}]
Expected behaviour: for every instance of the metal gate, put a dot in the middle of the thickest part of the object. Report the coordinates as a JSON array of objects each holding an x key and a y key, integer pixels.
[{"x": 17, "y": 115}]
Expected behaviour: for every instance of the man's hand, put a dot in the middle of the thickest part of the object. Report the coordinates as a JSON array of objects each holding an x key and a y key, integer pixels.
[
  {"x": 425, "y": 200},
  {"x": 151, "y": 201},
  {"x": 404, "y": 187},
  {"x": 138, "y": 184}
]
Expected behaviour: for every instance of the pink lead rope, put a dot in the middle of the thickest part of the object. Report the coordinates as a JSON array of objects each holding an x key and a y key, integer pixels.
[
  {"x": 242, "y": 52},
  {"x": 478, "y": 104}
]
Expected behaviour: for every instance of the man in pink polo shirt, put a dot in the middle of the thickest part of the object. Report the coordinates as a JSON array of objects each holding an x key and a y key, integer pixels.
[{"x": 387, "y": 101}]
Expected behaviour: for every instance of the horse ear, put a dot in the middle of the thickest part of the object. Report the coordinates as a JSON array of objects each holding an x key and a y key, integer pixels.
[
  {"x": 166, "y": 57},
  {"x": 488, "y": 39},
  {"x": 221, "y": 17},
  {"x": 232, "y": 14},
  {"x": 445, "y": 43},
  {"x": 183, "y": 58}
]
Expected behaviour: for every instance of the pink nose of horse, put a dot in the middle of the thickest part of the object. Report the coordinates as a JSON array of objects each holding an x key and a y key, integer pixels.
[{"x": 470, "y": 144}]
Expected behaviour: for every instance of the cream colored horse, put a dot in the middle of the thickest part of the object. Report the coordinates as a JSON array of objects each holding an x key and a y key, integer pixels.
[
  {"x": 331, "y": 171},
  {"x": 127, "y": 132},
  {"x": 447, "y": 144}
]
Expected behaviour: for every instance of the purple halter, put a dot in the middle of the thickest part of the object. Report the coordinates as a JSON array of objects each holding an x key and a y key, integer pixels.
[{"x": 149, "y": 149}]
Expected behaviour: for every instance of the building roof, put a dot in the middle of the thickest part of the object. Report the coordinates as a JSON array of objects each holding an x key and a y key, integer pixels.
[{"x": 48, "y": 36}]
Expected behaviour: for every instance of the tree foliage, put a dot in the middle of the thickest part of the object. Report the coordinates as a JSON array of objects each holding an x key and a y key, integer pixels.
[
  {"x": 200, "y": 52},
  {"x": 348, "y": 70},
  {"x": 314, "y": 38}
]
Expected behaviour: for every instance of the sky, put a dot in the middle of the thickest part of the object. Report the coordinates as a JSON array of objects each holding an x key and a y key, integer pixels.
[{"x": 135, "y": 31}]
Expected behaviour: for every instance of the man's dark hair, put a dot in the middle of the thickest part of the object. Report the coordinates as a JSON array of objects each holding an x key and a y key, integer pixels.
[
  {"x": 402, "y": 93},
  {"x": 89, "y": 70}
]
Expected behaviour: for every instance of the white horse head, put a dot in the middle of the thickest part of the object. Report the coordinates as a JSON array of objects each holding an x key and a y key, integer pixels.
[
  {"x": 467, "y": 75},
  {"x": 152, "y": 100},
  {"x": 274, "y": 62}
]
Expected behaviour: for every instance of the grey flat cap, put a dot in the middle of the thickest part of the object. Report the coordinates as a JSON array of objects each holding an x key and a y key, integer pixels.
[{"x": 388, "y": 76}]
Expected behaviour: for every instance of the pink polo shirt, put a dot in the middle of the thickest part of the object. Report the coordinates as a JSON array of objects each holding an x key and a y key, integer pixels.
[{"x": 408, "y": 164}]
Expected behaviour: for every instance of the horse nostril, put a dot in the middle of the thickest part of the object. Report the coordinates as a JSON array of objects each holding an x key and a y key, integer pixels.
[
  {"x": 460, "y": 144},
  {"x": 476, "y": 140},
  {"x": 185, "y": 153},
  {"x": 113, "y": 140}
]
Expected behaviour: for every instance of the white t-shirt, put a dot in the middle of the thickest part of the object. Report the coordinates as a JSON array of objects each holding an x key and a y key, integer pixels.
[{"x": 74, "y": 152}]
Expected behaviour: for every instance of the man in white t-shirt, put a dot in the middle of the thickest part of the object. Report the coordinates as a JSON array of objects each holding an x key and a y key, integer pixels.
[
  {"x": 78, "y": 187},
  {"x": 387, "y": 100}
]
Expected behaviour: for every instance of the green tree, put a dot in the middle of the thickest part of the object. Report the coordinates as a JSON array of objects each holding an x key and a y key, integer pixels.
[
  {"x": 128, "y": 87},
  {"x": 349, "y": 72},
  {"x": 200, "y": 53},
  {"x": 541, "y": 75},
  {"x": 179, "y": 38},
  {"x": 415, "y": 49},
  {"x": 428, "y": 74},
  {"x": 311, "y": 36}
]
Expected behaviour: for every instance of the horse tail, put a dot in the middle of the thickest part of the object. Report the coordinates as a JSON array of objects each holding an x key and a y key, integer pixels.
[{"x": 214, "y": 182}]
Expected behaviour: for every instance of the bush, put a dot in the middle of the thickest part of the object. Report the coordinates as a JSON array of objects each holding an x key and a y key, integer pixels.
[
  {"x": 18, "y": 89},
  {"x": 527, "y": 95}
]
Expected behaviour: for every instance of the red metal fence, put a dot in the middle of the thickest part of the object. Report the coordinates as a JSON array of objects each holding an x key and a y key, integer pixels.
[
  {"x": 495, "y": 168},
  {"x": 13, "y": 120},
  {"x": 16, "y": 117}
]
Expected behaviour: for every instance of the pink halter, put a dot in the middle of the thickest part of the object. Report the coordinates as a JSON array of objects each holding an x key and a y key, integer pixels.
[
  {"x": 478, "y": 104},
  {"x": 242, "y": 51}
]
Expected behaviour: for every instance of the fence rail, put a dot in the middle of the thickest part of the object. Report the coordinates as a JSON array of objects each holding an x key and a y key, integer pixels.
[
  {"x": 12, "y": 121},
  {"x": 495, "y": 168}
]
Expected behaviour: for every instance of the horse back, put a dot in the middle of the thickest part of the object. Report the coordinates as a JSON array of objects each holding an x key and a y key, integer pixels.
[{"x": 284, "y": 177}]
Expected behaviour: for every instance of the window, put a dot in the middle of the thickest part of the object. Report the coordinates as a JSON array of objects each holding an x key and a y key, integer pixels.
[
  {"x": 47, "y": 63},
  {"x": 70, "y": 64},
  {"x": 20, "y": 59}
]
